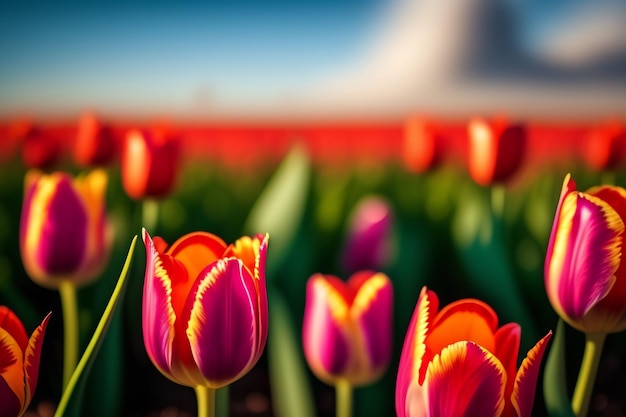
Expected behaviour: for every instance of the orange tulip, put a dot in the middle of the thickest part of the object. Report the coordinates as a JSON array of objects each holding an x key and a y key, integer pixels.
[{"x": 19, "y": 363}]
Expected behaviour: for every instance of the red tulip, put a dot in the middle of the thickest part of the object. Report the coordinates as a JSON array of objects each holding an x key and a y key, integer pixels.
[
  {"x": 496, "y": 150},
  {"x": 605, "y": 147},
  {"x": 39, "y": 150},
  {"x": 150, "y": 160},
  {"x": 422, "y": 145},
  {"x": 95, "y": 144}
]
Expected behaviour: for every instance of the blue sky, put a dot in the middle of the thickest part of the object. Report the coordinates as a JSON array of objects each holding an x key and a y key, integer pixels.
[{"x": 167, "y": 58}]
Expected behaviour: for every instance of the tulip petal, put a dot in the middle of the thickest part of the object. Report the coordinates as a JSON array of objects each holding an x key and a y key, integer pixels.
[
  {"x": 197, "y": 250},
  {"x": 326, "y": 345},
  {"x": 372, "y": 308},
  {"x": 586, "y": 255},
  {"x": 222, "y": 327},
  {"x": 467, "y": 319},
  {"x": 507, "y": 341},
  {"x": 11, "y": 371},
  {"x": 10, "y": 403},
  {"x": 526, "y": 379},
  {"x": 12, "y": 324},
  {"x": 414, "y": 349},
  {"x": 568, "y": 186},
  {"x": 32, "y": 356},
  {"x": 465, "y": 380},
  {"x": 158, "y": 315}
]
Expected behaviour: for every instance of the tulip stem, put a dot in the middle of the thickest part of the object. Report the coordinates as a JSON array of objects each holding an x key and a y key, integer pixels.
[
  {"x": 206, "y": 401},
  {"x": 343, "y": 393},
  {"x": 587, "y": 373},
  {"x": 149, "y": 214},
  {"x": 69, "y": 305},
  {"x": 498, "y": 194}
]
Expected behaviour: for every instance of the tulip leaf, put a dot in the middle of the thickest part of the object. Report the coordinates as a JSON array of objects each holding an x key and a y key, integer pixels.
[
  {"x": 280, "y": 207},
  {"x": 79, "y": 376},
  {"x": 291, "y": 391},
  {"x": 555, "y": 394}
]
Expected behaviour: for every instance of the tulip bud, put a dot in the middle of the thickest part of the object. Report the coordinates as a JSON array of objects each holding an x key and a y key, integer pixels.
[
  {"x": 496, "y": 150},
  {"x": 585, "y": 267},
  {"x": 205, "y": 307},
  {"x": 422, "y": 145},
  {"x": 347, "y": 328},
  {"x": 368, "y": 243},
  {"x": 150, "y": 160},
  {"x": 604, "y": 148},
  {"x": 63, "y": 228},
  {"x": 95, "y": 144}
]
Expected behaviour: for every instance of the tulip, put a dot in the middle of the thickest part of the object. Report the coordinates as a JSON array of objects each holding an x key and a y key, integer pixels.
[
  {"x": 63, "y": 229},
  {"x": 95, "y": 144},
  {"x": 422, "y": 145},
  {"x": 496, "y": 150},
  {"x": 149, "y": 163},
  {"x": 367, "y": 246},
  {"x": 40, "y": 149},
  {"x": 205, "y": 307},
  {"x": 585, "y": 272},
  {"x": 458, "y": 362},
  {"x": 347, "y": 331},
  {"x": 604, "y": 148},
  {"x": 19, "y": 363},
  {"x": 65, "y": 241}
]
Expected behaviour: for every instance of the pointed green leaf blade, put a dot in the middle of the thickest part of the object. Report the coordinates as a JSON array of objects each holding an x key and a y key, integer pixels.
[
  {"x": 555, "y": 394},
  {"x": 291, "y": 391},
  {"x": 79, "y": 377},
  {"x": 280, "y": 207}
]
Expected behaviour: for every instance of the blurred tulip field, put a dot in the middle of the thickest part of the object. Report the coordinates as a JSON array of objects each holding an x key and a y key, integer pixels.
[{"x": 468, "y": 208}]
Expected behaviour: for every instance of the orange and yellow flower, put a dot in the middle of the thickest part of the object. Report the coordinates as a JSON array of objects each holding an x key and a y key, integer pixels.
[
  {"x": 457, "y": 361},
  {"x": 19, "y": 363}
]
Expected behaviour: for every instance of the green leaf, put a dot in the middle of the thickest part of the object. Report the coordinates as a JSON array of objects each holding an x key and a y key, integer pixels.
[
  {"x": 280, "y": 207},
  {"x": 555, "y": 394},
  {"x": 291, "y": 391},
  {"x": 79, "y": 377}
]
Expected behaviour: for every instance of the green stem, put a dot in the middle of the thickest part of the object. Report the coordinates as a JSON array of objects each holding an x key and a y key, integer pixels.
[
  {"x": 498, "y": 194},
  {"x": 206, "y": 401},
  {"x": 69, "y": 305},
  {"x": 587, "y": 373},
  {"x": 149, "y": 214},
  {"x": 343, "y": 393}
]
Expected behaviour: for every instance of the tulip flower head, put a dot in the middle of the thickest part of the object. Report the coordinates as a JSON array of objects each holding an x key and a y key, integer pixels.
[
  {"x": 585, "y": 267},
  {"x": 63, "y": 229},
  {"x": 495, "y": 150},
  {"x": 95, "y": 144},
  {"x": 347, "y": 328},
  {"x": 40, "y": 149},
  {"x": 422, "y": 145},
  {"x": 19, "y": 363},
  {"x": 457, "y": 362},
  {"x": 368, "y": 245},
  {"x": 205, "y": 307},
  {"x": 604, "y": 147},
  {"x": 149, "y": 165}
]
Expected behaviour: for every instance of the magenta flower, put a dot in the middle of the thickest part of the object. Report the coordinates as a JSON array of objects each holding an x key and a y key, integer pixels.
[
  {"x": 368, "y": 244},
  {"x": 585, "y": 271},
  {"x": 19, "y": 363},
  {"x": 347, "y": 329},
  {"x": 205, "y": 307},
  {"x": 458, "y": 362},
  {"x": 63, "y": 228}
]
